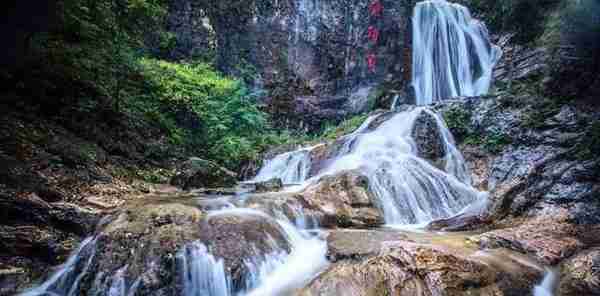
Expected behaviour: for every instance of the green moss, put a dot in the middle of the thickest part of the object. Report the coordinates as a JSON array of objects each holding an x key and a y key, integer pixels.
[
  {"x": 589, "y": 147},
  {"x": 458, "y": 121},
  {"x": 156, "y": 176},
  {"x": 332, "y": 132}
]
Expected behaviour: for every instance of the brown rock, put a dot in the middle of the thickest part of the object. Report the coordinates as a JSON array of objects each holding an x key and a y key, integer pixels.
[
  {"x": 200, "y": 173},
  {"x": 549, "y": 241},
  {"x": 358, "y": 244},
  {"x": 581, "y": 274},
  {"x": 237, "y": 238},
  {"x": 345, "y": 201},
  {"x": 406, "y": 268}
]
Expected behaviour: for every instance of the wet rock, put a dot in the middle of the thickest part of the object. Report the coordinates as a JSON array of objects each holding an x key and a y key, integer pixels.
[
  {"x": 32, "y": 210},
  {"x": 429, "y": 140},
  {"x": 44, "y": 243},
  {"x": 519, "y": 62},
  {"x": 286, "y": 205},
  {"x": 358, "y": 244},
  {"x": 550, "y": 241},
  {"x": 580, "y": 275},
  {"x": 199, "y": 173},
  {"x": 345, "y": 201},
  {"x": 142, "y": 245},
  {"x": 143, "y": 240},
  {"x": 242, "y": 237},
  {"x": 272, "y": 185},
  {"x": 478, "y": 163},
  {"x": 407, "y": 268},
  {"x": 461, "y": 222}
]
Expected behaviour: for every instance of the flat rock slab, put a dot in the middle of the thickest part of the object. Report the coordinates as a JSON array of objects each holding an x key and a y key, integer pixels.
[{"x": 357, "y": 244}]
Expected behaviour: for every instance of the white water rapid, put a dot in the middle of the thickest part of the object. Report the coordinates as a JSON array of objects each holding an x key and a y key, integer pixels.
[
  {"x": 452, "y": 57},
  {"x": 269, "y": 275},
  {"x": 452, "y": 53},
  {"x": 410, "y": 190},
  {"x": 291, "y": 167},
  {"x": 548, "y": 284},
  {"x": 65, "y": 280}
]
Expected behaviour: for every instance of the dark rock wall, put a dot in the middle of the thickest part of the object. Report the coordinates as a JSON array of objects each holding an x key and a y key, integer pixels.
[
  {"x": 194, "y": 36},
  {"x": 328, "y": 48}
]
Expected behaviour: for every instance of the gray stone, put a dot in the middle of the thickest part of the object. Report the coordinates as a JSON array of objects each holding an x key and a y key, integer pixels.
[{"x": 199, "y": 173}]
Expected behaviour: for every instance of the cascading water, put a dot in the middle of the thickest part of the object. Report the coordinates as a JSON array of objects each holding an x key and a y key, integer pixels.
[
  {"x": 547, "y": 286},
  {"x": 291, "y": 167},
  {"x": 201, "y": 273},
  {"x": 452, "y": 53},
  {"x": 410, "y": 190},
  {"x": 269, "y": 274},
  {"x": 65, "y": 280}
]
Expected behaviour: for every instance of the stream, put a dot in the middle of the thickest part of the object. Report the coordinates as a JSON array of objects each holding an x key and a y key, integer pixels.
[{"x": 453, "y": 57}]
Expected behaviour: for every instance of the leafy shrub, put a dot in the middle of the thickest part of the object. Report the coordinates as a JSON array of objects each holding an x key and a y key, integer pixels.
[
  {"x": 332, "y": 132},
  {"x": 458, "y": 121},
  {"x": 589, "y": 147},
  {"x": 222, "y": 121}
]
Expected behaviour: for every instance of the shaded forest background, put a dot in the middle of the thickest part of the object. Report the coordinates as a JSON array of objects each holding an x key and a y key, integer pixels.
[{"x": 107, "y": 70}]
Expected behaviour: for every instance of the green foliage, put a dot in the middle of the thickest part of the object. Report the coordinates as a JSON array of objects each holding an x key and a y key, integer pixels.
[
  {"x": 589, "y": 147},
  {"x": 525, "y": 18},
  {"x": 491, "y": 142},
  {"x": 576, "y": 23},
  {"x": 202, "y": 110},
  {"x": 156, "y": 176},
  {"x": 332, "y": 132},
  {"x": 458, "y": 121}
]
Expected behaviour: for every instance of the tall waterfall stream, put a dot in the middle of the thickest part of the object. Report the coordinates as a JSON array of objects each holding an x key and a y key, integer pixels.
[{"x": 452, "y": 57}]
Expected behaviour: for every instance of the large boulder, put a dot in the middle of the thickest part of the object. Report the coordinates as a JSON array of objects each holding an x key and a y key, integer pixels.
[
  {"x": 548, "y": 240},
  {"x": 580, "y": 275},
  {"x": 271, "y": 185},
  {"x": 345, "y": 201},
  {"x": 353, "y": 244},
  {"x": 199, "y": 173},
  {"x": 242, "y": 237},
  {"x": 408, "y": 268},
  {"x": 146, "y": 246},
  {"x": 429, "y": 139}
]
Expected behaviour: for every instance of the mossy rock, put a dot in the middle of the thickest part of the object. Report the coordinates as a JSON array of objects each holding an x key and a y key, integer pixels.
[{"x": 199, "y": 173}]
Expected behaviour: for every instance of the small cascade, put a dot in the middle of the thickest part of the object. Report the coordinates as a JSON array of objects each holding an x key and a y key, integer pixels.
[
  {"x": 292, "y": 167},
  {"x": 269, "y": 274},
  {"x": 287, "y": 272},
  {"x": 358, "y": 100},
  {"x": 202, "y": 273},
  {"x": 65, "y": 281},
  {"x": 350, "y": 140},
  {"x": 455, "y": 163},
  {"x": 548, "y": 284},
  {"x": 410, "y": 190},
  {"x": 394, "y": 102},
  {"x": 452, "y": 52}
]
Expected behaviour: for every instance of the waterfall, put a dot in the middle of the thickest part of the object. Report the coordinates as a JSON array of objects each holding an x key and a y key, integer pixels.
[
  {"x": 202, "y": 273},
  {"x": 409, "y": 189},
  {"x": 452, "y": 53},
  {"x": 65, "y": 281},
  {"x": 269, "y": 274},
  {"x": 291, "y": 167},
  {"x": 548, "y": 284}
]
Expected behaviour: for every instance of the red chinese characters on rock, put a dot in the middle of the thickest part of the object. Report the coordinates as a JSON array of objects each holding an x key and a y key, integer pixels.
[
  {"x": 373, "y": 34},
  {"x": 372, "y": 62},
  {"x": 376, "y": 8}
]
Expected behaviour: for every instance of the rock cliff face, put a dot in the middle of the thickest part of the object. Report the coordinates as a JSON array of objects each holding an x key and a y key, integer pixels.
[{"x": 329, "y": 49}]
